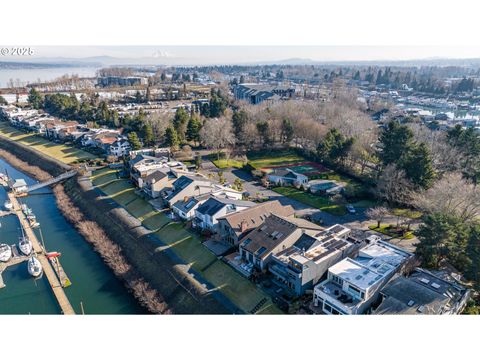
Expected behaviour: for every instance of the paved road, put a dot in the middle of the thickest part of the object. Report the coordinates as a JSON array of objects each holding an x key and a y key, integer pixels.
[{"x": 253, "y": 187}]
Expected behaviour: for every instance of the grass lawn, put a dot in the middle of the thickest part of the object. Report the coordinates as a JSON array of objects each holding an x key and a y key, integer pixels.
[
  {"x": 411, "y": 214},
  {"x": 184, "y": 244},
  {"x": 364, "y": 204},
  {"x": 383, "y": 229},
  {"x": 61, "y": 152},
  {"x": 230, "y": 163},
  {"x": 312, "y": 200},
  {"x": 262, "y": 160}
]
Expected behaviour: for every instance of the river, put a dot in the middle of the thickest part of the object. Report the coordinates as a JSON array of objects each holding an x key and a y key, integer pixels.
[
  {"x": 93, "y": 283},
  {"x": 26, "y": 76}
]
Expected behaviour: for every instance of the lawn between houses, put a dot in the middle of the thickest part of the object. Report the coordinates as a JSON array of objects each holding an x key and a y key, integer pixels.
[
  {"x": 184, "y": 243},
  {"x": 61, "y": 152}
]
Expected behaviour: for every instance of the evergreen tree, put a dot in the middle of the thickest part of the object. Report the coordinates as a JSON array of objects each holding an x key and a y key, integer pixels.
[
  {"x": 473, "y": 253},
  {"x": 134, "y": 141},
  {"x": 418, "y": 167},
  {"x": 335, "y": 147},
  {"x": 148, "y": 137},
  {"x": 239, "y": 121},
  {"x": 35, "y": 99},
  {"x": 180, "y": 122},
  {"x": 171, "y": 137},
  {"x": 193, "y": 129},
  {"x": 397, "y": 141},
  {"x": 287, "y": 131}
]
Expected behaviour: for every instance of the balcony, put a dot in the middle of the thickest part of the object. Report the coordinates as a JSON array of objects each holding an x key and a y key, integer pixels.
[{"x": 336, "y": 293}]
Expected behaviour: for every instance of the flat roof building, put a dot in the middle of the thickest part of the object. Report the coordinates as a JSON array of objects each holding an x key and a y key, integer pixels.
[
  {"x": 302, "y": 265},
  {"x": 353, "y": 285}
]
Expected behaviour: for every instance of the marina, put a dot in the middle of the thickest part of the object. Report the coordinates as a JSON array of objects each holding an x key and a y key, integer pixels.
[
  {"x": 54, "y": 280},
  {"x": 75, "y": 269}
]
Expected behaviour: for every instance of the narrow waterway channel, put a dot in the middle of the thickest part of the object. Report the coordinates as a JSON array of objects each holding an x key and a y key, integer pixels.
[{"x": 93, "y": 283}]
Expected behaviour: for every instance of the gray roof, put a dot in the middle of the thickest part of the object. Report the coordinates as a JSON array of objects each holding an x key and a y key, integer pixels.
[
  {"x": 269, "y": 235},
  {"x": 156, "y": 175},
  {"x": 214, "y": 205},
  {"x": 421, "y": 293}
]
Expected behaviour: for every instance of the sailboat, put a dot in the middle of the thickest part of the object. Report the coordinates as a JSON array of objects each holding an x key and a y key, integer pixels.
[
  {"x": 25, "y": 245},
  {"x": 5, "y": 252},
  {"x": 34, "y": 267}
]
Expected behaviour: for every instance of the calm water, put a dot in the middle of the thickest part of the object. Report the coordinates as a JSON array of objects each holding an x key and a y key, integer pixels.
[
  {"x": 93, "y": 283},
  {"x": 27, "y": 76}
]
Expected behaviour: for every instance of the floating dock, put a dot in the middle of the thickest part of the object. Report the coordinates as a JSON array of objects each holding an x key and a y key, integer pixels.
[
  {"x": 16, "y": 259},
  {"x": 48, "y": 270}
]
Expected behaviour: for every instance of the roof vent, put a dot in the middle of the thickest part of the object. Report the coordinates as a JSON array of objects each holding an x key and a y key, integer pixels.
[
  {"x": 421, "y": 308},
  {"x": 411, "y": 303},
  {"x": 435, "y": 285}
]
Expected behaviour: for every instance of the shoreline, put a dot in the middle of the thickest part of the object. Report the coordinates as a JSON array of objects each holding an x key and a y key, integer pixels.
[
  {"x": 159, "y": 278},
  {"x": 110, "y": 252}
]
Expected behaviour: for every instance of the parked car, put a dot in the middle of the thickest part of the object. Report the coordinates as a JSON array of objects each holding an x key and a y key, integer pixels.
[{"x": 351, "y": 209}]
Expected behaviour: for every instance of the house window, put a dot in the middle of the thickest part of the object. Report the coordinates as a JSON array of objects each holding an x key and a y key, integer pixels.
[{"x": 337, "y": 280}]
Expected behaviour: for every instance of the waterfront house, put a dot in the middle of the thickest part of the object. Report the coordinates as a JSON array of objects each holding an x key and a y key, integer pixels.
[
  {"x": 194, "y": 185},
  {"x": 283, "y": 177},
  {"x": 207, "y": 214},
  {"x": 422, "y": 292},
  {"x": 277, "y": 233},
  {"x": 143, "y": 165},
  {"x": 185, "y": 208},
  {"x": 233, "y": 227},
  {"x": 119, "y": 148},
  {"x": 354, "y": 284},
  {"x": 300, "y": 266},
  {"x": 155, "y": 183}
]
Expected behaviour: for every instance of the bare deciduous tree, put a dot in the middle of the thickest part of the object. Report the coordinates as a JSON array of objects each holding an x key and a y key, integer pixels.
[
  {"x": 217, "y": 134},
  {"x": 453, "y": 195},
  {"x": 378, "y": 213},
  {"x": 393, "y": 186}
]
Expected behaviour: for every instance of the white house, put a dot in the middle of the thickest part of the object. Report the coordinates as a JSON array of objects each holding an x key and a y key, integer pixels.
[
  {"x": 207, "y": 214},
  {"x": 282, "y": 177},
  {"x": 119, "y": 148},
  {"x": 353, "y": 285}
]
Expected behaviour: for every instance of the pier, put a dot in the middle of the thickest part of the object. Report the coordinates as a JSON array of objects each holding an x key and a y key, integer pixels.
[{"x": 48, "y": 270}]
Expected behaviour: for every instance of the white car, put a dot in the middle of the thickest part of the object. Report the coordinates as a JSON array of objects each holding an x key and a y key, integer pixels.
[{"x": 351, "y": 209}]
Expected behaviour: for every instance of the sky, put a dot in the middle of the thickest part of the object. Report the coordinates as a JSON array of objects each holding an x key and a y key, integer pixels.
[{"x": 192, "y": 55}]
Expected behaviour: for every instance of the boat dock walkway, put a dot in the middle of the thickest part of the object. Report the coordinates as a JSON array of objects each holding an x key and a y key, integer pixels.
[
  {"x": 16, "y": 259},
  {"x": 5, "y": 213},
  {"x": 48, "y": 270}
]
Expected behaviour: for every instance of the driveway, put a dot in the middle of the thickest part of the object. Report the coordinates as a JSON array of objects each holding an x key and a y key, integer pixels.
[{"x": 253, "y": 187}]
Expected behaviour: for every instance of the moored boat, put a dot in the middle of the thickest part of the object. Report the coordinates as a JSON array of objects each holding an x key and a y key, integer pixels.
[
  {"x": 8, "y": 205},
  {"x": 5, "y": 252},
  {"x": 32, "y": 220},
  {"x": 34, "y": 267},
  {"x": 25, "y": 245}
]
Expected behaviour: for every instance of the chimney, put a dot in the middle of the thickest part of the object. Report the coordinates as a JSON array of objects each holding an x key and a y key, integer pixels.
[
  {"x": 243, "y": 226},
  {"x": 185, "y": 199}
]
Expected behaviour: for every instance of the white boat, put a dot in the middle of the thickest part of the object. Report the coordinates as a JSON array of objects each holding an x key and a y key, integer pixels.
[
  {"x": 34, "y": 267},
  {"x": 5, "y": 252},
  {"x": 8, "y": 205},
  {"x": 32, "y": 220},
  {"x": 25, "y": 245}
]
